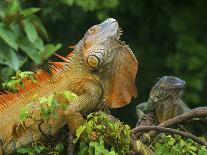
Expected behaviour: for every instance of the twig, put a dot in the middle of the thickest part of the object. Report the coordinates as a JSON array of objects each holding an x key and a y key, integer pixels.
[
  {"x": 169, "y": 130},
  {"x": 71, "y": 145},
  {"x": 197, "y": 112}
]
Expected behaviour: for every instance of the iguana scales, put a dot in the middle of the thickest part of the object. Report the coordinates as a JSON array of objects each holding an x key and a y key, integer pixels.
[
  {"x": 164, "y": 100},
  {"x": 101, "y": 69}
]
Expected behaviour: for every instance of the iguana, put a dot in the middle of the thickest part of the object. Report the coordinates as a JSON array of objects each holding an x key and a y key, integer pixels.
[
  {"x": 164, "y": 100},
  {"x": 100, "y": 70}
]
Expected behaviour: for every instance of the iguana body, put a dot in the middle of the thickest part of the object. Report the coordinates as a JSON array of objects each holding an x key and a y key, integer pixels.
[
  {"x": 164, "y": 100},
  {"x": 101, "y": 70}
]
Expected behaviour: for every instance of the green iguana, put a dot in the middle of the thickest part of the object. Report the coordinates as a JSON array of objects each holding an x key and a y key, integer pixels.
[
  {"x": 101, "y": 69},
  {"x": 164, "y": 100}
]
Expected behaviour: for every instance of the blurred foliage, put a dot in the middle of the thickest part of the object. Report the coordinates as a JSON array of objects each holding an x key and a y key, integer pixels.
[
  {"x": 21, "y": 37},
  {"x": 176, "y": 145},
  {"x": 168, "y": 38}
]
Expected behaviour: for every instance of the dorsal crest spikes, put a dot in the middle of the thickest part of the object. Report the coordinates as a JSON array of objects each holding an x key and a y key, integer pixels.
[
  {"x": 70, "y": 55},
  {"x": 61, "y": 57},
  {"x": 59, "y": 65},
  {"x": 28, "y": 86}
]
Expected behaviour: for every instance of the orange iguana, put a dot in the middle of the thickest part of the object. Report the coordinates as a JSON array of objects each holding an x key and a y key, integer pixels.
[{"x": 101, "y": 69}]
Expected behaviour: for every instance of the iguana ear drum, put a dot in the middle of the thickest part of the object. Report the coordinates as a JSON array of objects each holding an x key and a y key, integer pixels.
[{"x": 93, "y": 61}]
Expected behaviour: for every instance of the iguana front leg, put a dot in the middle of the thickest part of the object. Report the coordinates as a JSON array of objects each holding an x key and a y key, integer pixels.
[
  {"x": 86, "y": 103},
  {"x": 142, "y": 110}
]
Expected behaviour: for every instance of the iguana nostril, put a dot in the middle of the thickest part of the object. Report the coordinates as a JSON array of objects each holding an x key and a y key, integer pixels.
[{"x": 93, "y": 61}]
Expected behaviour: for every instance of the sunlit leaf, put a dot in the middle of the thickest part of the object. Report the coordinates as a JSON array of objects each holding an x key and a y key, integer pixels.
[
  {"x": 38, "y": 43},
  {"x": 23, "y": 114},
  {"x": 8, "y": 36},
  {"x": 70, "y": 95},
  {"x": 49, "y": 49},
  {"x": 13, "y": 7},
  {"x": 29, "y": 11},
  {"x": 43, "y": 100},
  {"x": 24, "y": 150},
  {"x": 39, "y": 27},
  {"x": 26, "y": 46},
  {"x": 30, "y": 30}
]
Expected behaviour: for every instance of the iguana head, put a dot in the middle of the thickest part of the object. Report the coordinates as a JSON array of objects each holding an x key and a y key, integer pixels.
[
  {"x": 97, "y": 40},
  {"x": 167, "y": 86},
  {"x": 112, "y": 61}
]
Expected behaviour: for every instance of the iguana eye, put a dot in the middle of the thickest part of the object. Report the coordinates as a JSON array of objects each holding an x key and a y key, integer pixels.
[{"x": 93, "y": 61}]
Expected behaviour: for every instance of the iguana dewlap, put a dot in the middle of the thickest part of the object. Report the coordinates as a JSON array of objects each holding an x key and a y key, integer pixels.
[{"x": 101, "y": 68}]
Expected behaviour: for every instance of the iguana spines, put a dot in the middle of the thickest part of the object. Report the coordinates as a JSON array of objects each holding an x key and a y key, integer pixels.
[{"x": 29, "y": 86}]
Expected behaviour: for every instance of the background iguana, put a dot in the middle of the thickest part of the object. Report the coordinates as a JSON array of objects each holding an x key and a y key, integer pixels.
[
  {"x": 164, "y": 100},
  {"x": 101, "y": 69}
]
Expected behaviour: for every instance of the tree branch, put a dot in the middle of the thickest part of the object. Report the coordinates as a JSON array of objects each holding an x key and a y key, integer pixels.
[
  {"x": 169, "y": 130},
  {"x": 197, "y": 112}
]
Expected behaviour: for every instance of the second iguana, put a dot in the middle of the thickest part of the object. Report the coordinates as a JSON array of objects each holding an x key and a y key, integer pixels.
[{"x": 164, "y": 100}]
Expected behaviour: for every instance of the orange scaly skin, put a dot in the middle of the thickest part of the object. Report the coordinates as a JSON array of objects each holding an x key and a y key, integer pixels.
[{"x": 101, "y": 69}]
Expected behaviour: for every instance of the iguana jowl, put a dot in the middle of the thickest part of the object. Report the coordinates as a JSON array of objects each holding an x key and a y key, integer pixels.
[
  {"x": 164, "y": 99},
  {"x": 101, "y": 69}
]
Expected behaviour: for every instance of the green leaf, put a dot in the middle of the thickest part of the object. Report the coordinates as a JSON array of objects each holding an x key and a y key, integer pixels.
[
  {"x": 9, "y": 57},
  {"x": 45, "y": 111},
  {"x": 6, "y": 72},
  {"x": 70, "y": 96},
  {"x": 25, "y": 74},
  {"x": 8, "y": 36},
  {"x": 27, "y": 47},
  {"x": 49, "y": 49},
  {"x": 79, "y": 131},
  {"x": 39, "y": 148},
  {"x": 50, "y": 99},
  {"x": 43, "y": 100},
  {"x": 2, "y": 12},
  {"x": 171, "y": 141},
  {"x": 23, "y": 114},
  {"x": 59, "y": 147},
  {"x": 30, "y": 11},
  {"x": 24, "y": 150},
  {"x": 192, "y": 148},
  {"x": 11, "y": 85},
  {"x": 30, "y": 29},
  {"x": 202, "y": 151},
  {"x": 38, "y": 43},
  {"x": 39, "y": 27},
  {"x": 13, "y": 7}
]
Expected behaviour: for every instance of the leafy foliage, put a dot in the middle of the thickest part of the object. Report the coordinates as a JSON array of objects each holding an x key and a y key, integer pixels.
[
  {"x": 17, "y": 80},
  {"x": 176, "y": 145},
  {"x": 48, "y": 109},
  {"x": 38, "y": 148},
  {"x": 48, "y": 106},
  {"x": 103, "y": 134},
  {"x": 21, "y": 38},
  {"x": 100, "y": 7}
]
